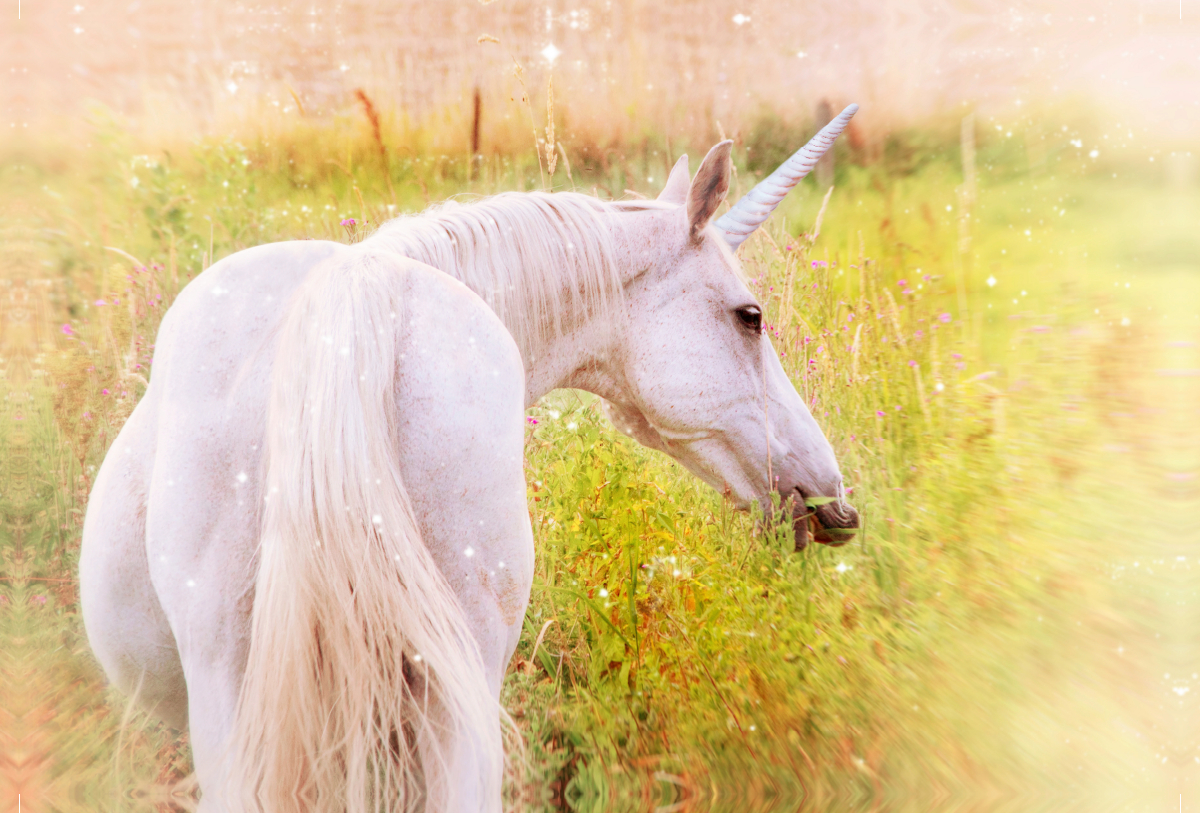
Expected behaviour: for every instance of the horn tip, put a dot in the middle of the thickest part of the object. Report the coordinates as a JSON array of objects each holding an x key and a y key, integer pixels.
[{"x": 850, "y": 110}]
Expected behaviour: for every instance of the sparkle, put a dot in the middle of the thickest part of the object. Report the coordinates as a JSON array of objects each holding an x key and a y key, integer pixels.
[
  {"x": 241, "y": 477},
  {"x": 469, "y": 552},
  {"x": 551, "y": 53}
]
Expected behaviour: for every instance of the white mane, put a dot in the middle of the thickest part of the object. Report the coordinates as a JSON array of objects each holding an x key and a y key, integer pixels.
[{"x": 541, "y": 261}]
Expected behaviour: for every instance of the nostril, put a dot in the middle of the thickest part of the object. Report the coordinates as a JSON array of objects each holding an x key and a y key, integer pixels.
[
  {"x": 838, "y": 521},
  {"x": 837, "y": 515}
]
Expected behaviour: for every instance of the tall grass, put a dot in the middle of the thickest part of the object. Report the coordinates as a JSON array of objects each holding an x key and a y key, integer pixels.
[{"x": 672, "y": 644}]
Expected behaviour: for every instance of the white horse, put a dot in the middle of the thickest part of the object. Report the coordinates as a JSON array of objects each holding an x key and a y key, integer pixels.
[{"x": 310, "y": 543}]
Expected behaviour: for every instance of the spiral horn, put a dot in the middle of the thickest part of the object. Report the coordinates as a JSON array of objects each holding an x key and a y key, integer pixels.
[{"x": 752, "y": 210}]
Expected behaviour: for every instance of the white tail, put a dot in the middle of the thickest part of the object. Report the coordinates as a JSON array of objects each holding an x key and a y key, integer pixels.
[{"x": 359, "y": 649}]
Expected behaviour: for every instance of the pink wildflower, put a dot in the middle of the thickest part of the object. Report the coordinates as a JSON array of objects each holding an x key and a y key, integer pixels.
[
  {"x": 903, "y": 283},
  {"x": 881, "y": 413},
  {"x": 99, "y": 303},
  {"x": 67, "y": 330},
  {"x": 944, "y": 317}
]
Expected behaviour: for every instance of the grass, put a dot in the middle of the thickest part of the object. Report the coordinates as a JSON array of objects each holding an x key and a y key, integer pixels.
[{"x": 681, "y": 648}]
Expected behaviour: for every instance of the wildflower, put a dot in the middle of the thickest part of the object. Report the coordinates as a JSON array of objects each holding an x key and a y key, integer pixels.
[
  {"x": 348, "y": 222},
  {"x": 104, "y": 391},
  {"x": 956, "y": 355},
  {"x": 40, "y": 599},
  {"x": 99, "y": 303},
  {"x": 66, "y": 329},
  {"x": 897, "y": 407},
  {"x": 903, "y": 283},
  {"x": 531, "y": 421},
  {"x": 919, "y": 334},
  {"x": 849, "y": 317},
  {"x": 912, "y": 363},
  {"x": 819, "y": 264},
  {"x": 881, "y": 413},
  {"x": 944, "y": 318}
]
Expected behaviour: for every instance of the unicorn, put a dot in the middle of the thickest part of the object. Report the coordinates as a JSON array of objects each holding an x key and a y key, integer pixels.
[{"x": 310, "y": 543}]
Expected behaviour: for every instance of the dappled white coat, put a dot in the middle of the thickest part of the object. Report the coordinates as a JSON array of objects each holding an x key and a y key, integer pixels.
[{"x": 310, "y": 542}]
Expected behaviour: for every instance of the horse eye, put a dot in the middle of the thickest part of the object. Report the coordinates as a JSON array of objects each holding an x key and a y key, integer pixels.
[{"x": 750, "y": 317}]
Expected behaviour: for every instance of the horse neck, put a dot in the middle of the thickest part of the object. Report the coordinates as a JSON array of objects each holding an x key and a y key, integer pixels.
[{"x": 580, "y": 357}]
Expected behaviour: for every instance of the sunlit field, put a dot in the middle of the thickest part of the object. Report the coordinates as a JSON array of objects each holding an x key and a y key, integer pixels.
[
  {"x": 982, "y": 360},
  {"x": 992, "y": 316}
]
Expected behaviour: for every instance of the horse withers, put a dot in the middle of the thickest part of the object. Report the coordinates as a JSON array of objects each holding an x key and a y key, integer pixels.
[{"x": 310, "y": 542}]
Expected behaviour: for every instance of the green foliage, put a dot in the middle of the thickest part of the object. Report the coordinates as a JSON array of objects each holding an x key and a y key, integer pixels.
[{"x": 677, "y": 634}]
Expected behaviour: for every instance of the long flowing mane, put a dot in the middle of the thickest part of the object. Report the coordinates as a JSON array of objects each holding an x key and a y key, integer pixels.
[{"x": 540, "y": 260}]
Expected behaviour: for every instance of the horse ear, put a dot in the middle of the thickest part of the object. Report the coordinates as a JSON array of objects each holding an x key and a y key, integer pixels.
[
  {"x": 709, "y": 187},
  {"x": 676, "y": 190}
]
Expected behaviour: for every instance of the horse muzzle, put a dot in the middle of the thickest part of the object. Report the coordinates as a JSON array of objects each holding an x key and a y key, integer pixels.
[{"x": 832, "y": 523}]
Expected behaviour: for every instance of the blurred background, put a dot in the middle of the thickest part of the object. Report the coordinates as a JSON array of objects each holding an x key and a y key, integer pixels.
[
  {"x": 1011, "y": 217},
  {"x": 620, "y": 66}
]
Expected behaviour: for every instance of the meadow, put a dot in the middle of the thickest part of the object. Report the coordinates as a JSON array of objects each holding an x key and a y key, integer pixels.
[{"x": 973, "y": 317}]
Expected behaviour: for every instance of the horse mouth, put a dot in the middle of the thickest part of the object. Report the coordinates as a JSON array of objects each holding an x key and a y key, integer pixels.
[{"x": 831, "y": 523}]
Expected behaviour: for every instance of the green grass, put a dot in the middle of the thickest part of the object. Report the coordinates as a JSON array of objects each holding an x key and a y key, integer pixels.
[{"x": 677, "y": 636}]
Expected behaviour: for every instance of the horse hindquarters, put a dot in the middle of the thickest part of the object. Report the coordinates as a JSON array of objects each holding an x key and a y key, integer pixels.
[
  {"x": 362, "y": 598},
  {"x": 125, "y": 624}
]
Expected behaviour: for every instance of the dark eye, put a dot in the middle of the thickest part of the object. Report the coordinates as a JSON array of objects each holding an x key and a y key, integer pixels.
[{"x": 751, "y": 317}]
